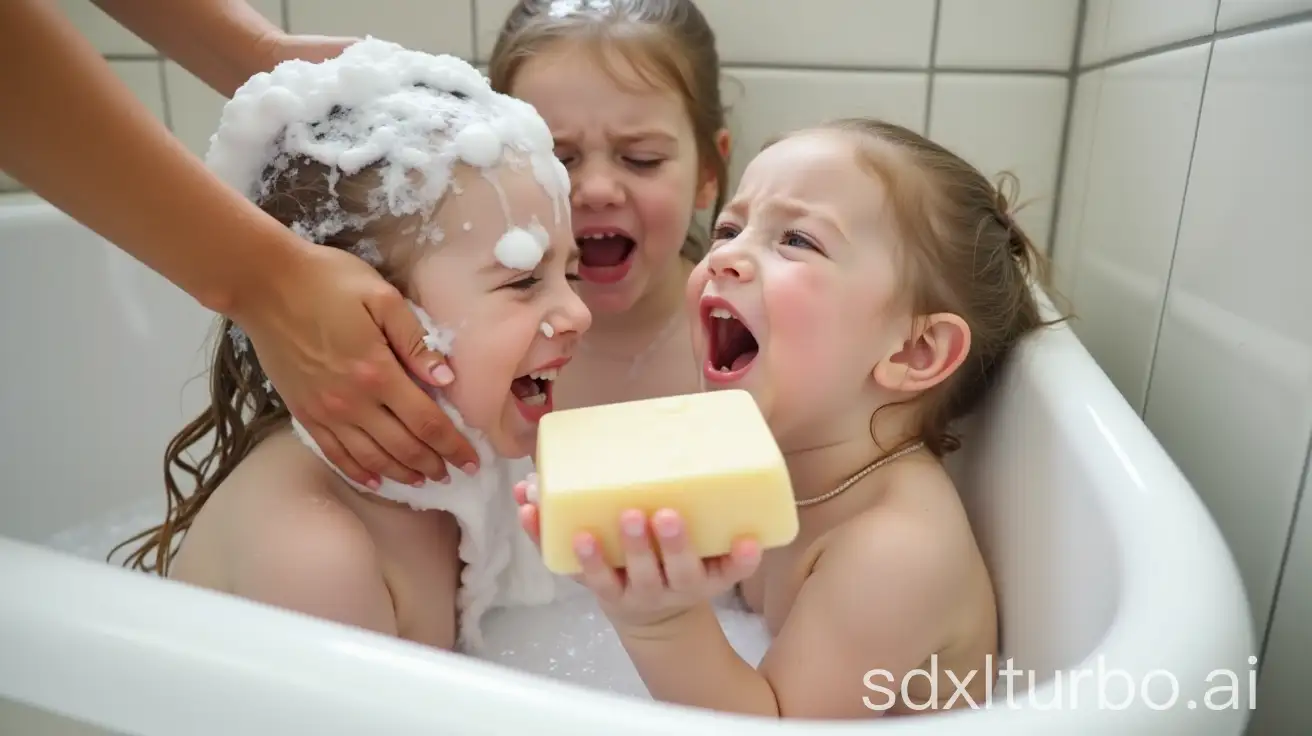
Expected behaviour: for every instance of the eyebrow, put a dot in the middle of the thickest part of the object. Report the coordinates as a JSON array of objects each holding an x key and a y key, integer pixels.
[
  {"x": 794, "y": 210},
  {"x": 497, "y": 267}
]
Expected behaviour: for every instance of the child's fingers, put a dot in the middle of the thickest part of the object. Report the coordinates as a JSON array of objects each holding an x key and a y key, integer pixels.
[
  {"x": 641, "y": 565},
  {"x": 521, "y": 492},
  {"x": 684, "y": 571},
  {"x": 738, "y": 565},
  {"x": 528, "y": 519},
  {"x": 603, "y": 581}
]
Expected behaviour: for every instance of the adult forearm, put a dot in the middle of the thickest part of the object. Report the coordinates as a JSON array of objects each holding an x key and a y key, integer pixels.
[
  {"x": 72, "y": 132},
  {"x": 223, "y": 42}
]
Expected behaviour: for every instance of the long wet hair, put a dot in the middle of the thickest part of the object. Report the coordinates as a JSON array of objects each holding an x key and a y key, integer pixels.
[{"x": 244, "y": 408}]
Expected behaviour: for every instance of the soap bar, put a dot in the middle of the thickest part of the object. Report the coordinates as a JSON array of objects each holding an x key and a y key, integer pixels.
[{"x": 708, "y": 456}]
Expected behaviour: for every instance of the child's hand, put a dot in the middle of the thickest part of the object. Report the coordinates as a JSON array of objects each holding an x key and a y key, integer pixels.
[{"x": 648, "y": 592}]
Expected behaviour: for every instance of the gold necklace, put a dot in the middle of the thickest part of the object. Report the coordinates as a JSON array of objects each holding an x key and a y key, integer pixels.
[{"x": 863, "y": 472}]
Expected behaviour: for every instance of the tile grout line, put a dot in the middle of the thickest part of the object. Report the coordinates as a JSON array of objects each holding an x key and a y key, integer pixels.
[
  {"x": 285, "y": 14},
  {"x": 1304, "y": 479},
  {"x": 1244, "y": 30},
  {"x": 933, "y": 61},
  {"x": 473, "y": 31},
  {"x": 167, "y": 99},
  {"x": 1179, "y": 225},
  {"x": 1072, "y": 79}
]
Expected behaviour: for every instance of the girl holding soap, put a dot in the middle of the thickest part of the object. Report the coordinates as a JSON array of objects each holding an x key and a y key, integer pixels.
[
  {"x": 631, "y": 92},
  {"x": 451, "y": 191},
  {"x": 864, "y": 285}
]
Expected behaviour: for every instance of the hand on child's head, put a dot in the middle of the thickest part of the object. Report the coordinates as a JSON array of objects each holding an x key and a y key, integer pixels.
[{"x": 328, "y": 335}]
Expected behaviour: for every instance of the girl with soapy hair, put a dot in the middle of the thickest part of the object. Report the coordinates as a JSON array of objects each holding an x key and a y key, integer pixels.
[
  {"x": 631, "y": 92},
  {"x": 865, "y": 286},
  {"x": 451, "y": 191}
]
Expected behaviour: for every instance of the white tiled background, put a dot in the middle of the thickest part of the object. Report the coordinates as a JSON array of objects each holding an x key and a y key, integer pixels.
[
  {"x": 1183, "y": 227},
  {"x": 1184, "y": 242}
]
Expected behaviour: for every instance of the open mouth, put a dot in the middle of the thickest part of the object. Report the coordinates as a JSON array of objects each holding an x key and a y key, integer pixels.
[
  {"x": 604, "y": 254},
  {"x": 534, "y": 390},
  {"x": 732, "y": 347}
]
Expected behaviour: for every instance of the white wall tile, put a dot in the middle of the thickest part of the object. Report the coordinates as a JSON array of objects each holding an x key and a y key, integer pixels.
[
  {"x": 818, "y": 32},
  {"x": 1117, "y": 27},
  {"x": 1235, "y": 13},
  {"x": 143, "y": 78},
  {"x": 488, "y": 17},
  {"x": 1142, "y": 138},
  {"x": 194, "y": 108},
  {"x": 1282, "y": 689},
  {"x": 1006, "y": 123},
  {"x": 1075, "y": 186},
  {"x": 764, "y": 102},
  {"x": 436, "y": 26},
  {"x": 1007, "y": 34},
  {"x": 111, "y": 38},
  {"x": 102, "y": 30},
  {"x": 822, "y": 32},
  {"x": 1231, "y": 395}
]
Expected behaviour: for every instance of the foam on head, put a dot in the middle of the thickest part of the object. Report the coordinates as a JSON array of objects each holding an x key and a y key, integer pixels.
[{"x": 410, "y": 115}]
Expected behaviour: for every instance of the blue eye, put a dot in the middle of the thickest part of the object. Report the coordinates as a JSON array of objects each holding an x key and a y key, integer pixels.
[{"x": 797, "y": 240}]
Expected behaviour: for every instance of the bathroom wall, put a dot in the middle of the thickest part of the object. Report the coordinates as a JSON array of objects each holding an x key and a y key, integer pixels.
[
  {"x": 1184, "y": 241},
  {"x": 989, "y": 79}
]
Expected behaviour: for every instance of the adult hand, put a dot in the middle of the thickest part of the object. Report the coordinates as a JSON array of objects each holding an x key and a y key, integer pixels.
[
  {"x": 321, "y": 329},
  {"x": 277, "y": 47}
]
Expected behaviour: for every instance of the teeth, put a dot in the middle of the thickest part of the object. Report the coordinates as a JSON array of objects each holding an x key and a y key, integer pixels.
[
  {"x": 599, "y": 236},
  {"x": 721, "y": 313},
  {"x": 535, "y": 400},
  {"x": 547, "y": 375}
]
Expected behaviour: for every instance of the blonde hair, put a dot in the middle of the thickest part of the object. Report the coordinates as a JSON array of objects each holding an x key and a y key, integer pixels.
[
  {"x": 669, "y": 44},
  {"x": 962, "y": 253}
]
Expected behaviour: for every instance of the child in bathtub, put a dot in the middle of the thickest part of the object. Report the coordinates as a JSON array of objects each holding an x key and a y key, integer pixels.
[
  {"x": 411, "y": 164},
  {"x": 865, "y": 285}
]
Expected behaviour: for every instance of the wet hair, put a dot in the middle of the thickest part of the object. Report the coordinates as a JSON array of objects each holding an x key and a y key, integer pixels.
[
  {"x": 962, "y": 252},
  {"x": 244, "y": 408},
  {"x": 669, "y": 44}
]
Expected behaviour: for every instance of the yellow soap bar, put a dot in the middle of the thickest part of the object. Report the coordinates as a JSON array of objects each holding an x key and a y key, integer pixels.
[{"x": 709, "y": 456}]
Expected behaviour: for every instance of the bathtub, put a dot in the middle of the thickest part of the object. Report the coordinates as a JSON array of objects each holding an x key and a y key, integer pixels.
[{"x": 1107, "y": 565}]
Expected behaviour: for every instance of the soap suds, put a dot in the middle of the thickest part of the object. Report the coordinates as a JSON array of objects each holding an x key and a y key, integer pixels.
[
  {"x": 547, "y": 330},
  {"x": 408, "y": 115},
  {"x": 519, "y": 250}
]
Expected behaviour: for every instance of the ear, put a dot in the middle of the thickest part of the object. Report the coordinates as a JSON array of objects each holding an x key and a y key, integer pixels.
[
  {"x": 938, "y": 345},
  {"x": 710, "y": 183}
]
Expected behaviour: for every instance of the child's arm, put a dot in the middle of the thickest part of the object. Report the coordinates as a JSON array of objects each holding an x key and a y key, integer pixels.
[{"x": 876, "y": 600}]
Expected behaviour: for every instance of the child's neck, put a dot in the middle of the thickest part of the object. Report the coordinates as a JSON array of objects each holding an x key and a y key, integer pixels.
[
  {"x": 649, "y": 316},
  {"x": 820, "y": 466}
]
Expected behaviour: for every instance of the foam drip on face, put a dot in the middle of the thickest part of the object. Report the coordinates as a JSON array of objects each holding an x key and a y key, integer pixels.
[{"x": 406, "y": 115}]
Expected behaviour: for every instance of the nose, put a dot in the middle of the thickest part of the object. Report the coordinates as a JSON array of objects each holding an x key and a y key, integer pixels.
[
  {"x": 731, "y": 262},
  {"x": 595, "y": 185},
  {"x": 571, "y": 318}
]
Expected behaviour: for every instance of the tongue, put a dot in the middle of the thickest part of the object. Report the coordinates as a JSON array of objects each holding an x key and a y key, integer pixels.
[
  {"x": 742, "y": 360},
  {"x": 524, "y": 387},
  {"x": 603, "y": 252}
]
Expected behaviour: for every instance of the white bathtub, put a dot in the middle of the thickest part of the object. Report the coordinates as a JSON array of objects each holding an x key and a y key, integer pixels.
[{"x": 1102, "y": 554}]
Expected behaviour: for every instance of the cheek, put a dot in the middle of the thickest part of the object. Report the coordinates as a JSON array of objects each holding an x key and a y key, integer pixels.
[
  {"x": 664, "y": 207},
  {"x": 805, "y": 317}
]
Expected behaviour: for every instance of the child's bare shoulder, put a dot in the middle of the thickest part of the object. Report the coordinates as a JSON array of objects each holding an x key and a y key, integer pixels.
[
  {"x": 283, "y": 537},
  {"x": 916, "y": 538}
]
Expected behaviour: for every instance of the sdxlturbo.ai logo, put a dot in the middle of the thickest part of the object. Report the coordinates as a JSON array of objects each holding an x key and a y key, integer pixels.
[{"x": 1114, "y": 689}]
